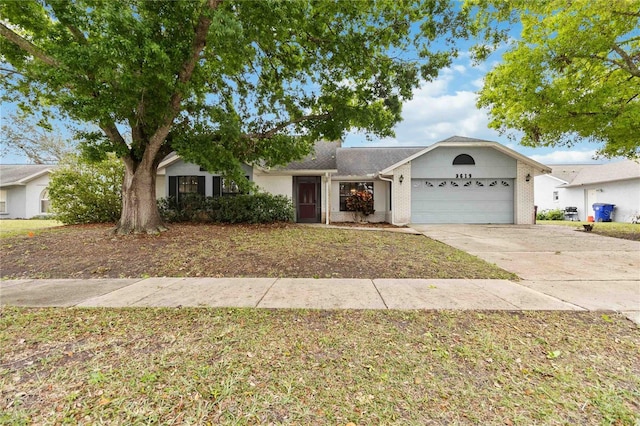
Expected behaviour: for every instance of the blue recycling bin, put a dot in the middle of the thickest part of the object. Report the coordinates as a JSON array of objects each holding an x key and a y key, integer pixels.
[{"x": 603, "y": 212}]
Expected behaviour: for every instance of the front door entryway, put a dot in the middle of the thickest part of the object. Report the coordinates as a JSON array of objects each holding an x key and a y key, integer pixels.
[{"x": 307, "y": 192}]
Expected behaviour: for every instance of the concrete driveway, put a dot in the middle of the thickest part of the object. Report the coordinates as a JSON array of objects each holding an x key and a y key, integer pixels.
[{"x": 586, "y": 269}]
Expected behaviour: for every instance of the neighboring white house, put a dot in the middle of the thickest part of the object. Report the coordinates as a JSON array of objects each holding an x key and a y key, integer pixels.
[
  {"x": 457, "y": 180},
  {"x": 583, "y": 185},
  {"x": 23, "y": 190}
]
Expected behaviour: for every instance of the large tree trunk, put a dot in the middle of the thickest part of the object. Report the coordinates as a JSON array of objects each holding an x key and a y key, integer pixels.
[{"x": 140, "y": 212}]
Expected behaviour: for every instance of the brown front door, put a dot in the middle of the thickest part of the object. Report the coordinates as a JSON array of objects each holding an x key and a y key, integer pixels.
[{"x": 307, "y": 200}]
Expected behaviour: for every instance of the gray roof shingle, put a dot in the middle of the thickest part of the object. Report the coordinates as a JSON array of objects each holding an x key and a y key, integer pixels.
[
  {"x": 12, "y": 174},
  {"x": 568, "y": 172},
  {"x": 323, "y": 157},
  {"x": 621, "y": 170},
  {"x": 366, "y": 161}
]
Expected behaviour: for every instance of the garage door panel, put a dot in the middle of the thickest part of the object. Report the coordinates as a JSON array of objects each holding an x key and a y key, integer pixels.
[{"x": 481, "y": 201}]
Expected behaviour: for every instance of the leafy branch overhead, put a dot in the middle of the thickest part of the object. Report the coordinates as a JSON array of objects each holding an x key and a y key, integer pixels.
[
  {"x": 220, "y": 82},
  {"x": 573, "y": 74}
]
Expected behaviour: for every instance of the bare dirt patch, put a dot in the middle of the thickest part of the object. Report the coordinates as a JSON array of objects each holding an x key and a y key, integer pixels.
[{"x": 203, "y": 250}]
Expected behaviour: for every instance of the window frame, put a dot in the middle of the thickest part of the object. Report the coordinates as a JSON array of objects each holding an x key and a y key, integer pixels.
[
  {"x": 44, "y": 198},
  {"x": 3, "y": 201},
  {"x": 351, "y": 187},
  {"x": 463, "y": 160},
  {"x": 176, "y": 188}
]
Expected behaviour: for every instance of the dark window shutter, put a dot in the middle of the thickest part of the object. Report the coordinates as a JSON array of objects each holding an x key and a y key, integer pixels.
[
  {"x": 217, "y": 186},
  {"x": 173, "y": 186},
  {"x": 201, "y": 185}
]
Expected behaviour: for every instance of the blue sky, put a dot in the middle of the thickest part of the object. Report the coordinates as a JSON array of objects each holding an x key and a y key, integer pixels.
[{"x": 447, "y": 107}]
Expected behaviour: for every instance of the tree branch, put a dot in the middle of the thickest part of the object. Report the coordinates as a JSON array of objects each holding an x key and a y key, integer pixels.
[
  {"x": 113, "y": 134},
  {"x": 27, "y": 46},
  {"x": 77, "y": 34},
  {"x": 631, "y": 67},
  {"x": 271, "y": 132},
  {"x": 11, "y": 72},
  {"x": 186, "y": 71}
]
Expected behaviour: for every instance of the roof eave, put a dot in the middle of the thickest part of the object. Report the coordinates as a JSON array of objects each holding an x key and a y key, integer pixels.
[
  {"x": 478, "y": 144},
  {"x": 29, "y": 178},
  {"x": 598, "y": 182}
]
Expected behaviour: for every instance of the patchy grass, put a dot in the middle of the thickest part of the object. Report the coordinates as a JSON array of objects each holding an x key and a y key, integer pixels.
[
  {"x": 238, "y": 251},
  {"x": 627, "y": 231},
  {"x": 20, "y": 227},
  {"x": 237, "y": 366}
]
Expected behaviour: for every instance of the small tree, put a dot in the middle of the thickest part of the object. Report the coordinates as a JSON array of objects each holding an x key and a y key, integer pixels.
[
  {"x": 361, "y": 203},
  {"x": 87, "y": 192}
]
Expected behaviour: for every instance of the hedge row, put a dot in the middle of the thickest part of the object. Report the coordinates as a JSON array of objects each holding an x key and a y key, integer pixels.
[
  {"x": 254, "y": 208},
  {"x": 556, "y": 214}
]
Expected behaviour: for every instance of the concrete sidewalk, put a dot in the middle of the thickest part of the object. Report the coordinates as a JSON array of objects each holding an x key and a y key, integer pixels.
[
  {"x": 281, "y": 293},
  {"x": 297, "y": 293}
]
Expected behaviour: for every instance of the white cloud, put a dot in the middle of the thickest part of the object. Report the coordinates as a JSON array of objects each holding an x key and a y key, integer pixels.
[
  {"x": 567, "y": 157},
  {"x": 439, "y": 109}
]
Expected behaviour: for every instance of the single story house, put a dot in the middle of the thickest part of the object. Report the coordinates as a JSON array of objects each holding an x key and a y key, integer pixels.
[
  {"x": 581, "y": 186},
  {"x": 23, "y": 190},
  {"x": 457, "y": 180}
]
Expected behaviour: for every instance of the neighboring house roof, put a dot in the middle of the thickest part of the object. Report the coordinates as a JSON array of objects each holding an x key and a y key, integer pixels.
[
  {"x": 568, "y": 172},
  {"x": 621, "y": 170},
  {"x": 21, "y": 174},
  {"x": 461, "y": 141}
]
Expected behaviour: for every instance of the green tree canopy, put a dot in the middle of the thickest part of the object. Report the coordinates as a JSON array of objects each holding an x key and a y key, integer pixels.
[
  {"x": 573, "y": 75},
  {"x": 220, "y": 82}
]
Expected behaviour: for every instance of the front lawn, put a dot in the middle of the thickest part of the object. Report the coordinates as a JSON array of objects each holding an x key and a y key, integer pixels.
[
  {"x": 24, "y": 227},
  {"x": 627, "y": 231},
  {"x": 237, "y": 366},
  {"x": 205, "y": 250}
]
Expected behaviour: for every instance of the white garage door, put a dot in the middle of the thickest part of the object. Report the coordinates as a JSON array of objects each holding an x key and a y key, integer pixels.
[{"x": 462, "y": 201}]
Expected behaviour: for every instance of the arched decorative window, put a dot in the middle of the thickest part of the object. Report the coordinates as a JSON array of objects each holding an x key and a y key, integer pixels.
[
  {"x": 463, "y": 160},
  {"x": 44, "y": 201}
]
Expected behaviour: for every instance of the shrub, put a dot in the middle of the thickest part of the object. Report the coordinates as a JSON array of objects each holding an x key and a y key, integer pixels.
[
  {"x": 361, "y": 203},
  {"x": 550, "y": 214},
  {"x": 243, "y": 208},
  {"x": 87, "y": 192}
]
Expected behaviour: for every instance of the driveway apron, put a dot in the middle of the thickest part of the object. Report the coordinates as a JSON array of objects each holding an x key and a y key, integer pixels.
[{"x": 589, "y": 270}]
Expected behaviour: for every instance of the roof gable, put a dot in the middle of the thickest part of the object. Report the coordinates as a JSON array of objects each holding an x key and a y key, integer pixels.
[
  {"x": 461, "y": 141},
  {"x": 21, "y": 174}
]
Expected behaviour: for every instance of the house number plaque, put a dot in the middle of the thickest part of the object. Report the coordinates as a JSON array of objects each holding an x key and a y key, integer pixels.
[{"x": 463, "y": 176}]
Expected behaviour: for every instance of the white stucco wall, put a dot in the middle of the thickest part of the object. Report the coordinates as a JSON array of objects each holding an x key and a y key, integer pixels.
[
  {"x": 438, "y": 164},
  {"x": 277, "y": 185},
  {"x": 161, "y": 186},
  {"x": 16, "y": 203},
  {"x": 544, "y": 187},
  {"x": 624, "y": 194}
]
